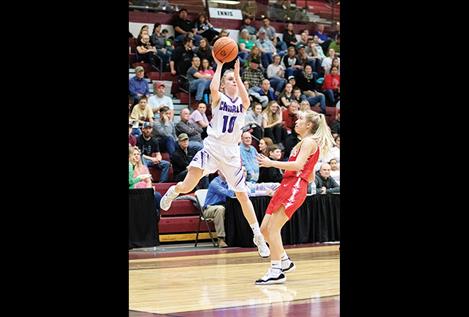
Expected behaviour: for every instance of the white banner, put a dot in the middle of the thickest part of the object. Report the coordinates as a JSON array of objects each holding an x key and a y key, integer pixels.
[{"x": 219, "y": 13}]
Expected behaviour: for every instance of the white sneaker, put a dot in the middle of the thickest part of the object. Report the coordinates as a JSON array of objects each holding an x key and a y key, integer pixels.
[
  {"x": 262, "y": 247},
  {"x": 288, "y": 266},
  {"x": 272, "y": 278},
  {"x": 168, "y": 198}
]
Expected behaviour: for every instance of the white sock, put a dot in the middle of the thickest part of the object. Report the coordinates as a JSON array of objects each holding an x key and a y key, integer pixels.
[
  {"x": 284, "y": 256},
  {"x": 255, "y": 228},
  {"x": 276, "y": 266}
]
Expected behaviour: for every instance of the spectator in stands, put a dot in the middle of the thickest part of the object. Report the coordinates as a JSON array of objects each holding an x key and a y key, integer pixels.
[
  {"x": 183, "y": 28},
  {"x": 181, "y": 158},
  {"x": 323, "y": 38},
  {"x": 335, "y": 63},
  {"x": 303, "y": 40},
  {"x": 214, "y": 206},
  {"x": 181, "y": 60},
  {"x": 204, "y": 51},
  {"x": 204, "y": 28},
  {"x": 249, "y": 27},
  {"x": 273, "y": 122},
  {"x": 264, "y": 143},
  {"x": 276, "y": 75},
  {"x": 139, "y": 177},
  {"x": 264, "y": 93},
  {"x": 267, "y": 29},
  {"x": 335, "y": 45},
  {"x": 160, "y": 100},
  {"x": 145, "y": 51},
  {"x": 156, "y": 38},
  {"x": 292, "y": 81},
  {"x": 267, "y": 48},
  {"x": 144, "y": 30},
  {"x": 307, "y": 83},
  {"x": 205, "y": 68},
  {"x": 132, "y": 138},
  {"x": 254, "y": 76},
  {"x": 313, "y": 57},
  {"x": 271, "y": 174},
  {"x": 289, "y": 36},
  {"x": 304, "y": 58},
  {"x": 192, "y": 130},
  {"x": 327, "y": 62},
  {"x": 297, "y": 95},
  {"x": 164, "y": 131},
  {"x": 331, "y": 86},
  {"x": 291, "y": 63},
  {"x": 141, "y": 113},
  {"x": 248, "y": 157},
  {"x": 199, "y": 118},
  {"x": 254, "y": 120},
  {"x": 304, "y": 105},
  {"x": 290, "y": 115},
  {"x": 335, "y": 170},
  {"x": 138, "y": 86},
  {"x": 168, "y": 42},
  {"x": 335, "y": 125},
  {"x": 318, "y": 47},
  {"x": 286, "y": 96},
  {"x": 255, "y": 54},
  {"x": 198, "y": 82},
  {"x": 150, "y": 149},
  {"x": 245, "y": 39},
  {"x": 325, "y": 184}
]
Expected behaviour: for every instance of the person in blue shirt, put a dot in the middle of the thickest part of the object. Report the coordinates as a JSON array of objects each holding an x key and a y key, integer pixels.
[
  {"x": 138, "y": 86},
  {"x": 249, "y": 157},
  {"x": 214, "y": 206}
]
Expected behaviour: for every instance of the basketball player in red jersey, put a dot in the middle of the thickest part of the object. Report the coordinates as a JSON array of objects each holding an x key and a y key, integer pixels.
[{"x": 316, "y": 139}]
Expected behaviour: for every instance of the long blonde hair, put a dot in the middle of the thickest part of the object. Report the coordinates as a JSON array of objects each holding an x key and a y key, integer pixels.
[
  {"x": 320, "y": 131},
  {"x": 272, "y": 117}
]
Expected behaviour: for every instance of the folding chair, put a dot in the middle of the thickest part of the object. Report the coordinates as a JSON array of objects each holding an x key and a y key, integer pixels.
[{"x": 200, "y": 195}]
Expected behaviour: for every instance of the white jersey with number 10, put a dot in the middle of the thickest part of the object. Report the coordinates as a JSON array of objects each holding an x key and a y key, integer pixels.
[{"x": 227, "y": 121}]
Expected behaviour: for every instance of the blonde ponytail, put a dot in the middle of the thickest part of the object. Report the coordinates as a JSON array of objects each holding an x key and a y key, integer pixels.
[{"x": 320, "y": 131}]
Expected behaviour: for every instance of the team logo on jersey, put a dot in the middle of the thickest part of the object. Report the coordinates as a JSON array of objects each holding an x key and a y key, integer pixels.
[{"x": 230, "y": 108}]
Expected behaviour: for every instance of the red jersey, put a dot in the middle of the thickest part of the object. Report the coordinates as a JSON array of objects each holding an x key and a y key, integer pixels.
[
  {"x": 294, "y": 186},
  {"x": 306, "y": 171}
]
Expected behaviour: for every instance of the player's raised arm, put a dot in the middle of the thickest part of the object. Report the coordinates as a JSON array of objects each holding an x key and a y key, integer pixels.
[
  {"x": 243, "y": 94},
  {"x": 215, "y": 84}
]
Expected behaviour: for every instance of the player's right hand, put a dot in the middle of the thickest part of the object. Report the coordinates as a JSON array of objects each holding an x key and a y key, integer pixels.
[{"x": 216, "y": 60}]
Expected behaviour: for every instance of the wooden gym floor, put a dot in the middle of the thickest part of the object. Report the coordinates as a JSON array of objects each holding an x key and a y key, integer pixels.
[{"x": 220, "y": 282}]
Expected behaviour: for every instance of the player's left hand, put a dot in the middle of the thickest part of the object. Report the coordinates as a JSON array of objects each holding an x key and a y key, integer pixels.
[
  {"x": 264, "y": 161},
  {"x": 236, "y": 66}
]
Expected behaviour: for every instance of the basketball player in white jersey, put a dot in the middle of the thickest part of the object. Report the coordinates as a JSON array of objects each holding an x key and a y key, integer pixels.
[{"x": 221, "y": 150}]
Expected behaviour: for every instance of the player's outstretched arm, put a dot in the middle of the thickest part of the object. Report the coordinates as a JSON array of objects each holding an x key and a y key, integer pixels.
[
  {"x": 243, "y": 94},
  {"x": 215, "y": 84}
]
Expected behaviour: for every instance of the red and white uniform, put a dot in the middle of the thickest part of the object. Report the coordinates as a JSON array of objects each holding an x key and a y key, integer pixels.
[{"x": 294, "y": 186}]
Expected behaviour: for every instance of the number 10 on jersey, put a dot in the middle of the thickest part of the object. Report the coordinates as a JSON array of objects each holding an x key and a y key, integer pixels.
[{"x": 230, "y": 125}]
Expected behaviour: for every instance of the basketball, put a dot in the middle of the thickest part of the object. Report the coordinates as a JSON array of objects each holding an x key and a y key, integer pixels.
[{"x": 225, "y": 49}]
